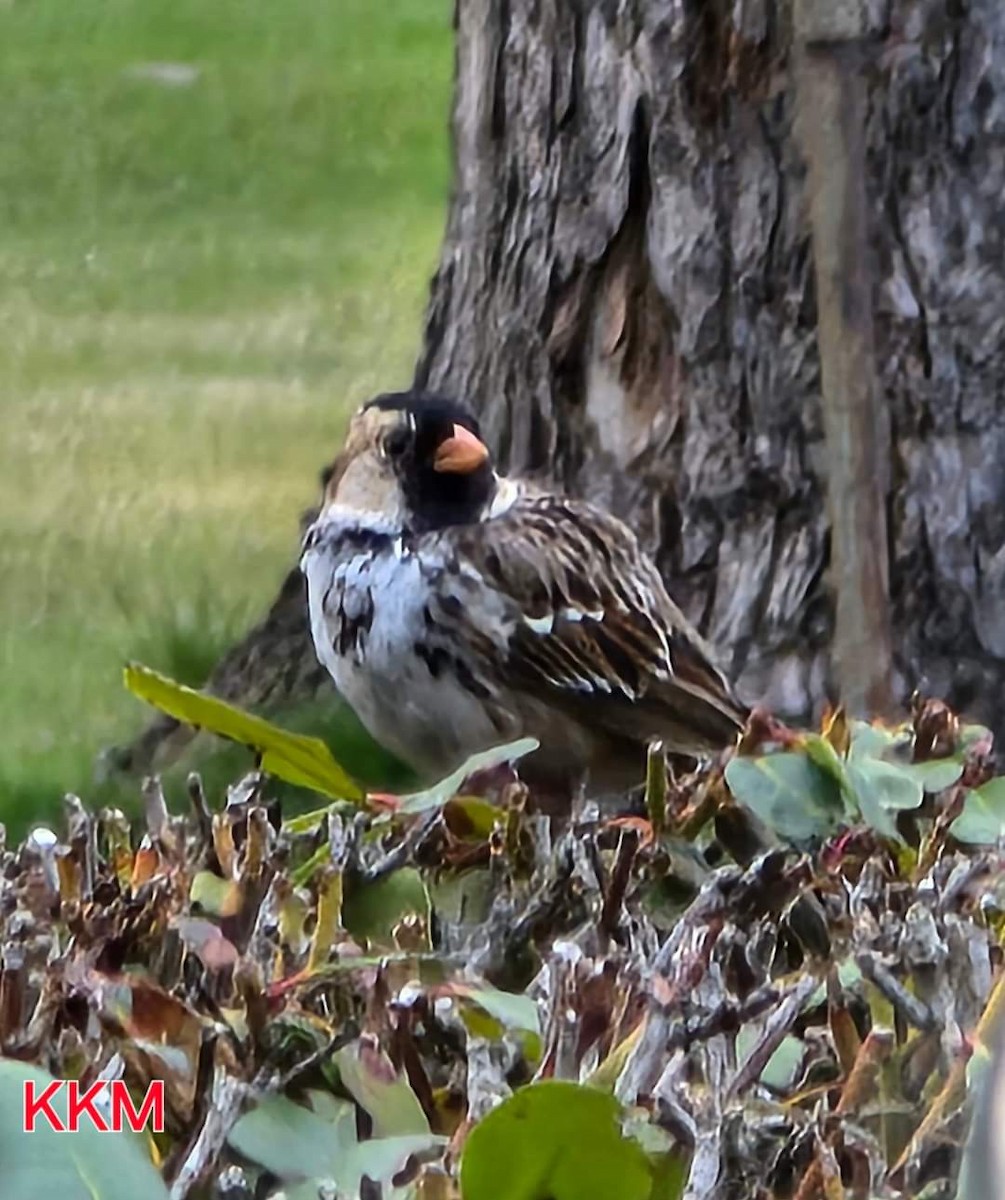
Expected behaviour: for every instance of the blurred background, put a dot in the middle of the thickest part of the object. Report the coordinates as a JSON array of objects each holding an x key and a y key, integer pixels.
[
  {"x": 661, "y": 292},
  {"x": 218, "y": 227}
]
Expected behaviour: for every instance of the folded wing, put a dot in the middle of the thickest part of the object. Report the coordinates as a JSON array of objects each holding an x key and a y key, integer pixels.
[{"x": 594, "y": 629}]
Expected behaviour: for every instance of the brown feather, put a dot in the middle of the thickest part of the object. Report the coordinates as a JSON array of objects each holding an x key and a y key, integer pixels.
[{"x": 599, "y": 636}]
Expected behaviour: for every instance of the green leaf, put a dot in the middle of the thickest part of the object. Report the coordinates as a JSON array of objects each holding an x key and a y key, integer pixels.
[
  {"x": 971, "y": 734},
  {"x": 306, "y": 822},
  {"x": 87, "y": 1165},
  {"x": 292, "y": 1141},
  {"x": 300, "y": 1144},
  {"x": 670, "y": 1163},
  {"x": 789, "y": 793},
  {"x": 210, "y": 893},
  {"x": 982, "y": 821},
  {"x": 306, "y": 871},
  {"x": 884, "y": 789},
  {"x": 782, "y": 1067},
  {"x": 849, "y": 975},
  {"x": 511, "y": 1010},
  {"x": 372, "y": 910},
  {"x": 443, "y": 791},
  {"x": 465, "y": 896},
  {"x": 670, "y": 1175},
  {"x": 884, "y": 784},
  {"x": 876, "y": 741},
  {"x": 379, "y": 1160},
  {"x": 823, "y": 755},
  {"x": 473, "y": 818},
  {"x": 556, "y": 1140},
  {"x": 304, "y": 761},
  {"x": 937, "y": 774},
  {"x": 893, "y": 745},
  {"x": 369, "y": 1076},
  {"x": 489, "y": 1012}
]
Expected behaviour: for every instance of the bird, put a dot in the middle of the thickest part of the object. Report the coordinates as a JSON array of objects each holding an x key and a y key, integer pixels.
[{"x": 457, "y": 610}]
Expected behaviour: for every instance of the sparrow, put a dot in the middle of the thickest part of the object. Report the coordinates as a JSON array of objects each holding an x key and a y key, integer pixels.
[{"x": 457, "y": 610}]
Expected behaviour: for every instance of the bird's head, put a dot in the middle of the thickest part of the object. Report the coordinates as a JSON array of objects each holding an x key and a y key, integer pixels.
[{"x": 412, "y": 461}]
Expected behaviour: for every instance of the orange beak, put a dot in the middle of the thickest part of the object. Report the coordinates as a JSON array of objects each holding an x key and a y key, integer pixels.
[{"x": 461, "y": 453}]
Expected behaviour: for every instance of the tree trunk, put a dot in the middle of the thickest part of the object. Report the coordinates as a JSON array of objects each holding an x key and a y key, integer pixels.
[{"x": 627, "y": 296}]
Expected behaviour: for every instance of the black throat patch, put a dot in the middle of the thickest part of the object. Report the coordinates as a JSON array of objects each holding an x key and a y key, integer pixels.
[{"x": 437, "y": 499}]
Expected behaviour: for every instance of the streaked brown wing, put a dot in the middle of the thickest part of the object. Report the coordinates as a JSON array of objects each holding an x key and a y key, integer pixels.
[{"x": 597, "y": 632}]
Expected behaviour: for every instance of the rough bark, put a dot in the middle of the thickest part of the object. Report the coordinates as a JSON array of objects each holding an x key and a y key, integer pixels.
[{"x": 626, "y": 295}]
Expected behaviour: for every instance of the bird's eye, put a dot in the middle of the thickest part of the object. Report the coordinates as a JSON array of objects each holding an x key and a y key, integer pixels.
[{"x": 395, "y": 443}]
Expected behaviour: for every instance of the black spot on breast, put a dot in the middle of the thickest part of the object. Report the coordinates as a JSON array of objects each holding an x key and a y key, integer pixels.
[
  {"x": 343, "y": 639},
  {"x": 436, "y": 658},
  {"x": 441, "y": 662},
  {"x": 352, "y": 630},
  {"x": 360, "y": 540}
]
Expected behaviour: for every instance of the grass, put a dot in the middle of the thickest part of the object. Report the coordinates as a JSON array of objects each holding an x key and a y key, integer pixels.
[{"x": 217, "y": 225}]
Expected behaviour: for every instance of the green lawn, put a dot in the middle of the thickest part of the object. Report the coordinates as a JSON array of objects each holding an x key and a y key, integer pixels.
[{"x": 217, "y": 225}]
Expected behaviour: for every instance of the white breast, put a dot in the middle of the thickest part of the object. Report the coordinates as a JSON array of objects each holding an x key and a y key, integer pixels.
[{"x": 368, "y": 613}]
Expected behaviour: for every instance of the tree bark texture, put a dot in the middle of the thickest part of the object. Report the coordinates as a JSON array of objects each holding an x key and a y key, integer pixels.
[{"x": 627, "y": 297}]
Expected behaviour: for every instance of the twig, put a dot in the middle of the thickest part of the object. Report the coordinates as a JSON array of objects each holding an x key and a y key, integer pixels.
[
  {"x": 914, "y": 1011},
  {"x": 405, "y": 850},
  {"x": 624, "y": 858},
  {"x": 228, "y": 1095},
  {"x": 775, "y": 1030},
  {"x": 200, "y": 810},
  {"x": 858, "y": 1087},
  {"x": 302, "y": 1069},
  {"x": 956, "y": 1081}
]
